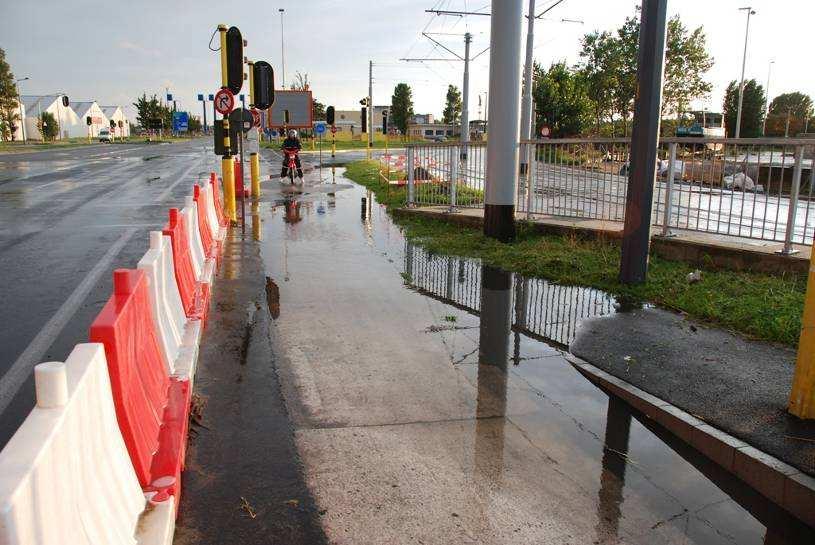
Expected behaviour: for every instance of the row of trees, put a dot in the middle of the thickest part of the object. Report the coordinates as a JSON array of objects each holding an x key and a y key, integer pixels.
[
  {"x": 8, "y": 100},
  {"x": 788, "y": 114}
]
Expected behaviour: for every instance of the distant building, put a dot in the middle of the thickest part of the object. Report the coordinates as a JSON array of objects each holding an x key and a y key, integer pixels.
[
  {"x": 421, "y": 119},
  {"x": 115, "y": 114},
  {"x": 98, "y": 119},
  {"x": 34, "y": 106}
]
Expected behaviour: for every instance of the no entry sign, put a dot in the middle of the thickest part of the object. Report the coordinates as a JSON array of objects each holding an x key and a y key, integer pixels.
[
  {"x": 255, "y": 117},
  {"x": 224, "y": 101}
]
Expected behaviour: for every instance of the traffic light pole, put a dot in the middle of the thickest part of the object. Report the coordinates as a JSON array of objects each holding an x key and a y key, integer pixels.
[{"x": 227, "y": 164}]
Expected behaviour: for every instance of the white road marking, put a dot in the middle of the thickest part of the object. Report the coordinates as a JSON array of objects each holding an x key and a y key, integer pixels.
[
  {"x": 21, "y": 369},
  {"x": 167, "y": 192}
]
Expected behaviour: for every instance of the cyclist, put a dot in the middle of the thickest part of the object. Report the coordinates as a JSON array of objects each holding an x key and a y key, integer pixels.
[{"x": 292, "y": 143}]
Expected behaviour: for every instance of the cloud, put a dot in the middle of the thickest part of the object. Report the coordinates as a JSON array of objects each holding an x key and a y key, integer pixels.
[{"x": 138, "y": 48}]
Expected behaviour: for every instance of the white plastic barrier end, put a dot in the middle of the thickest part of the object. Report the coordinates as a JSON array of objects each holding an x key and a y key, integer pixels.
[{"x": 51, "y": 384}]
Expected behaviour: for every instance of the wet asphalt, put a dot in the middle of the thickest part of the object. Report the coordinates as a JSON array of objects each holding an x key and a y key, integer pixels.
[
  {"x": 67, "y": 219},
  {"x": 422, "y": 412}
]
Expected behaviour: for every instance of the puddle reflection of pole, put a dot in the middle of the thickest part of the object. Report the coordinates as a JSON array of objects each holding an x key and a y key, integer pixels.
[
  {"x": 493, "y": 355},
  {"x": 612, "y": 477},
  {"x": 256, "y": 231},
  {"x": 521, "y": 304},
  {"x": 409, "y": 260}
]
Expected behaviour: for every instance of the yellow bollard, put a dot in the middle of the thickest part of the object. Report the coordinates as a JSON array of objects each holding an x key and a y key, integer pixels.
[
  {"x": 256, "y": 222},
  {"x": 254, "y": 169},
  {"x": 228, "y": 171},
  {"x": 802, "y": 395}
]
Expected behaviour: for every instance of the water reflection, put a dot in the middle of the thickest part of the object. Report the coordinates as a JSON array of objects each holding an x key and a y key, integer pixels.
[
  {"x": 692, "y": 499},
  {"x": 543, "y": 310}
]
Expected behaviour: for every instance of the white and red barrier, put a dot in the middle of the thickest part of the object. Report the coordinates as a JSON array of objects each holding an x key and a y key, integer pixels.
[
  {"x": 98, "y": 461},
  {"x": 65, "y": 475}
]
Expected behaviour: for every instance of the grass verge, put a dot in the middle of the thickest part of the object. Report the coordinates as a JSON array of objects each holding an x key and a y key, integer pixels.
[{"x": 762, "y": 306}]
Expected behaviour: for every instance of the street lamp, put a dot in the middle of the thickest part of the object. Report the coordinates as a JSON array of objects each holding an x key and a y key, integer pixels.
[
  {"x": 750, "y": 12},
  {"x": 767, "y": 98},
  {"x": 20, "y": 103},
  {"x": 282, "y": 51}
]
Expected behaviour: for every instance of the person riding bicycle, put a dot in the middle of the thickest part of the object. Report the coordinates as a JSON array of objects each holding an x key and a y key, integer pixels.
[{"x": 291, "y": 142}]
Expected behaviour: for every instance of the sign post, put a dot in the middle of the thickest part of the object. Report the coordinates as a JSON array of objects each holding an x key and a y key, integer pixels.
[{"x": 319, "y": 128}]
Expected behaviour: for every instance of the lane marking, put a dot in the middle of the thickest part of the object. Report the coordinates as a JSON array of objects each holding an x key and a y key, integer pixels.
[
  {"x": 167, "y": 192},
  {"x": 22, "y": 368}
]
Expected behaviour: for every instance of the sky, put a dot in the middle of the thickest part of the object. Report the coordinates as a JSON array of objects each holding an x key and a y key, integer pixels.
[{"x": 114, "y": 51}]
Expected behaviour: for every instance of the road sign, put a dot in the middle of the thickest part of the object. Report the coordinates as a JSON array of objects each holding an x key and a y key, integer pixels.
[
  {"x": 211, "y": 97},
  {"x": 545, "y": 131},
  {"x": 319, "y": 128},
  {"x": 333, "y": 129},
  {"x": 224, "y": 101},
  {"x": 181, "y": 122},
  {"x": 169, "y": 97},
  {"x": 200, "y": 97},
  {"x": 255, "y": 117}
]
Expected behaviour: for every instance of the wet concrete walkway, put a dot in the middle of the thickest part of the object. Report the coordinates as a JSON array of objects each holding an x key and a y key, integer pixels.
[{"x": 413, "y": 411}]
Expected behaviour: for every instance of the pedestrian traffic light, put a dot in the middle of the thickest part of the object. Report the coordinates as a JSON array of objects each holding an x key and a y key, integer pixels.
[
  {"x": 364, "y": 115},
  {"x": 263, "y": 85},
  {"x": 234, "y": 60},
  {"x": 112, "y": 124},
  {"x": 88, "y": 120},
  {"x": 65, "y": 101},
  {"x": 329, "y": 115}
]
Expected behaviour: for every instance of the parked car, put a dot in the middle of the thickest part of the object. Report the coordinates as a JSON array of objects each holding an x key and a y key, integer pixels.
[
  {"x": 436, "y": 138},
  {"x": 105, "y": 136}
]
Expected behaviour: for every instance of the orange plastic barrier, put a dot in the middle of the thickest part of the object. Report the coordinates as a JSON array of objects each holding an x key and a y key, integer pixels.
[
  {"x": 194, "y": 294},
  {"x": 151, "y": 407},
  {"x": 216, "y": 197},
  {"x": 209, "y": 244}
]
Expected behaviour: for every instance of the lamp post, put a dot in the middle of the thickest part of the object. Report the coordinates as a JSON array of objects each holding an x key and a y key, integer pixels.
[
  {"x": 767, "y": 98},
  {"x": 282, "y": 50},
  {"x": 750, "y": 12},
  {"x": 20, "y": 104}
]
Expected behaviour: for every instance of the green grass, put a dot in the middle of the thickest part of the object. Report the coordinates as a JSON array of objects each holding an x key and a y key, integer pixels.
[{"x": 765, "y": 307}]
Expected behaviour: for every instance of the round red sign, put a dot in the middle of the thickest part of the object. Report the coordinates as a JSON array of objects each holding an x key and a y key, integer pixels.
[
  {"x": 224, "y": 101},
  {"x": 333, "y": 129},
  {"x": 255, "y": 117}
]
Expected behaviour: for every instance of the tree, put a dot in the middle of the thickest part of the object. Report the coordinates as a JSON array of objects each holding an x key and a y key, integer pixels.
[
  {"x": 48, "y": 126},
  {"x": 151, "y": 108},
  {"x": 752, "y": 109},
  {"x": 686, "y": 63},
  {"x": 599, "y": 71},
  {"x": 452, "y": 109},
  {"x": 318, "y": 110},
  {"x": 796, "y": 104},
  {"x": 401, "y": 106},
  {"x": 300, "y": 82},
  {"x": 561, "y": 100},
  {"x": 193, "y": 123},
  {"x": 8, "y": 100}
]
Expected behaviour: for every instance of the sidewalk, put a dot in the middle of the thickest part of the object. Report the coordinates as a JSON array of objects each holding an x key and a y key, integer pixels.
[{"x": 728, "y": 252}]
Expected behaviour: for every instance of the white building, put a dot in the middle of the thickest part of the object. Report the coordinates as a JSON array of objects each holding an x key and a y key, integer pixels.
[
  {"x": 34, "y": 106},
  {"x": 98, "y": 119},
  {"x": 122, "y": 124}
]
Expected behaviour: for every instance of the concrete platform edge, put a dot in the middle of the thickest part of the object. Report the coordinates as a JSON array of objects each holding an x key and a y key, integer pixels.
[{"x": 773, "y": 478}]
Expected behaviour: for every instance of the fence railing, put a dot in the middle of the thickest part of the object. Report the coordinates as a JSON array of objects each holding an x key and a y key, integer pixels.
[{"x": 758, "y": 188}]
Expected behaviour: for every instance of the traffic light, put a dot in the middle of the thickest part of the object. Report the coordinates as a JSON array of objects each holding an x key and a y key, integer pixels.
[
  {"x": 329, "y": 115},
  {"x": 234, "y": 60},
  {"x": 88, "y": 120},
  {"x": 364, "y": 115},
  {"x": 263, "y": 84},
  {"x": 112, "y": 124},
  {"x": 384, "y": 121},
  {"x": 65, "y": 101},
  {"x": 286, "y": 117}
]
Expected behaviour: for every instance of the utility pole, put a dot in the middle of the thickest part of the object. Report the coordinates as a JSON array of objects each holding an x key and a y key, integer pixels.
[
  {"x": 526, "y": 101},
  {"x": 282, "y": 51},
  {"x": 743, "y": 63},
  {"x": 644, "y": 139},
  {"x": 20, "y": 104},
  {"x": 767, "y": 98},
  {"x": 370, "y": 108},
  {"x": 505, "y": 98},
  {"x": 465, "y": 113}
]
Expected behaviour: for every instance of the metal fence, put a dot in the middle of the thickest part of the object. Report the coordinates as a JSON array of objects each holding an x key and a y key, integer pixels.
[
  {"x": 446, "y": 174},
  {"x": 758, "y": 188},
  {"x": 544, "y": 310}
]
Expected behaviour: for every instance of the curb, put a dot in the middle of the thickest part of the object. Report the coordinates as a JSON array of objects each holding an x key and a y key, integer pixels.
[{"x": 777, "y": 481}]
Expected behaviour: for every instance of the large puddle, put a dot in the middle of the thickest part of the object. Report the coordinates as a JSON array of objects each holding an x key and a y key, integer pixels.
[{"x": 534, "y": 444}]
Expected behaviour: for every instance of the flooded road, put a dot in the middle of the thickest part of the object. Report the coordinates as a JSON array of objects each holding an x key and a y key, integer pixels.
[{"x": 432, "y": 403}]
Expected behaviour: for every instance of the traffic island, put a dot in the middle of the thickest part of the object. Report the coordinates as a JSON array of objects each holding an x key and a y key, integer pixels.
[{"x": 718, "y": 392}]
